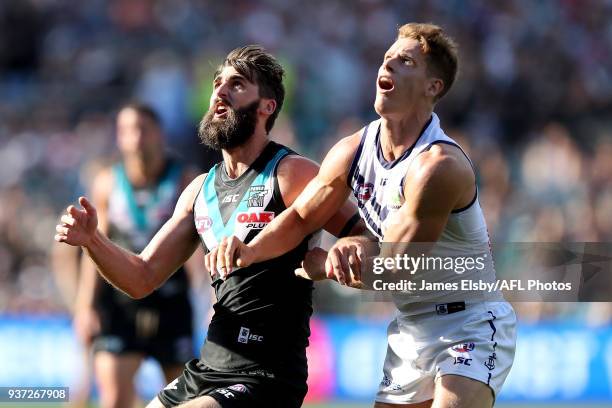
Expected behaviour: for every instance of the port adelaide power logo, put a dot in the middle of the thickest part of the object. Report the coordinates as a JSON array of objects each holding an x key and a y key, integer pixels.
[
  {"x": 256, "y": 196},
  {"x": 255, "y": 219}
]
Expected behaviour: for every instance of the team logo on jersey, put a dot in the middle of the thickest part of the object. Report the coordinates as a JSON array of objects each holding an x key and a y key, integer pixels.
[
  {"x": 256, "y": 196},
  {"x": 255, "y": 220},
  {"x": 203, "y": 223},
  {"x": 463, "y": 347},
  {"x": 364, "y": 191}
]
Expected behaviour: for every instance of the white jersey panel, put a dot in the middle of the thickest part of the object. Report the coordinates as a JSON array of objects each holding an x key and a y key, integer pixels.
[{"x": 378, "y": 186}]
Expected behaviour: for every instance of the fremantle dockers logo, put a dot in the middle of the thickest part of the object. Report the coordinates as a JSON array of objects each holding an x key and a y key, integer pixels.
[
  {"x": 256, "y": 196},
  {"x": 490, "y": 363}
]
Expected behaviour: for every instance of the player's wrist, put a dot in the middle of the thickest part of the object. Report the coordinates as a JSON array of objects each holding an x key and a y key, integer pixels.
[{"x": 93, "y": 241}]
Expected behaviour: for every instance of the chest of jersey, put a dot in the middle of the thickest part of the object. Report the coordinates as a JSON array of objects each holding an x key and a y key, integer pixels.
[{"x": 241, "y": 208}]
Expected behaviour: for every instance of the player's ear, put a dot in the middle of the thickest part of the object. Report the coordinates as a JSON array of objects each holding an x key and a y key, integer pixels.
[
  {"x": 435, "y": 86},
  {"x": 267, "y": 106}
]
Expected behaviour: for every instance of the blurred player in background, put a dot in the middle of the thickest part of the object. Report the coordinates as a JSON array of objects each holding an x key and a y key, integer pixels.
[
  {"x": 415, "y": 185},
  {"x": 134, "y": 198},
  {"x": 255, "y": 351}
]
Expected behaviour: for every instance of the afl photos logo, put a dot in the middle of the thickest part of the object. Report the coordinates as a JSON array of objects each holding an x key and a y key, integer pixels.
[{"x": 203, "y": 223}]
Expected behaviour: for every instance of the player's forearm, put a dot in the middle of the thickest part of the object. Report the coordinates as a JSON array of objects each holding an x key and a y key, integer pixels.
[
  {"x": 282, "y": 235},
  {"x": 125, "y": 270}
]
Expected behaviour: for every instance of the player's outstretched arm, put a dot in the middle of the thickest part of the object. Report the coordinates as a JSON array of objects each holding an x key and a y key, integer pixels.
[
  {"x": 314, "y": 200},
  {"x": 136, "y": 275}
]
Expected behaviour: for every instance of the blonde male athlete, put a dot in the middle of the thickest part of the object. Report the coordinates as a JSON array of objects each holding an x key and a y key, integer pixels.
[
  {"x": 255, "y": 350},
  {"x": 413, "y": 184}
]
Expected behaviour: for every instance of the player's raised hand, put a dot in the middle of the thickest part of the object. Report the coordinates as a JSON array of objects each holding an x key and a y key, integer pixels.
[{"x": 77, "y": 226}]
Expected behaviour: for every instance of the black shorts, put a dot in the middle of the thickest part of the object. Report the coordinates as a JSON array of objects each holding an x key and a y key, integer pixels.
[
  {"x": 253, "y": 388},
  {"x": 165, "y": 335}
]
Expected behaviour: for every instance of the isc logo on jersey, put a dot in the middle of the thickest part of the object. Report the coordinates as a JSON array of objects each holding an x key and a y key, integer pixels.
[{"x": 256, "y": 219}]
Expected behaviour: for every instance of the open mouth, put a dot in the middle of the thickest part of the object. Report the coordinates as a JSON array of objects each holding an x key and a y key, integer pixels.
[
  {"x": 221, "y": 109},
  {"x": 385, "y": 84}
]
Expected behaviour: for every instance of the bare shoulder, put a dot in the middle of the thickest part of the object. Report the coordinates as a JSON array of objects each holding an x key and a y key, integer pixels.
[
  {"x": 189, "y": 194},
  {"x": 293, "y": 174},
  {"x": 445, "y": 165},
  {"x": 293, "y": 167},
  {"x": 345, "y": 149}
]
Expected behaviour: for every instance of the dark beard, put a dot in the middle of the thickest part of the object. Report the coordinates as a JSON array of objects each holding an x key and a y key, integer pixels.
[{"x": 233, "y": 131}]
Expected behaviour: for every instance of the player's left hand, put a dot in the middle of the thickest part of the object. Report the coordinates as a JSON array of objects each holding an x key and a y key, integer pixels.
[
  {"x": 313, "y": 265},
  {"x": 229, "y": 253}
]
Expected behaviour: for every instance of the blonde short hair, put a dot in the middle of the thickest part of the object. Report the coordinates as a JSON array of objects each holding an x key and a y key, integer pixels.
[{"x": 440, "y": 51}]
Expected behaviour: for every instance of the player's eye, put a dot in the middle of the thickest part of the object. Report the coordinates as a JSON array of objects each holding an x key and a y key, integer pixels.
[
  {"x": 407, "y": 60},
  {"x": 238, "y": 85}
]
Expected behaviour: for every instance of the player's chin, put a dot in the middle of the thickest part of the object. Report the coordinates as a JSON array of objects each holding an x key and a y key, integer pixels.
[{"x": 382, "y": 105}]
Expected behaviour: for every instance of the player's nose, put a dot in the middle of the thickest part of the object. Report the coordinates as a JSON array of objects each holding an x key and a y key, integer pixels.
[
  {"x": 222, "y": 91},
  {"x": 387, "y": 65}
]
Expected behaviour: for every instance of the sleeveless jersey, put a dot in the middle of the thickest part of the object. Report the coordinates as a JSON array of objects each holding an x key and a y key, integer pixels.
[
  {"x": 261, "y": 318},
  {"x": 134, "y": 216},
  {"x": 378, "y": 186}
]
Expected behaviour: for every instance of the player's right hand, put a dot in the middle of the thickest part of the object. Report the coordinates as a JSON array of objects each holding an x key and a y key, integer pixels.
[
  {"x": 77, "y": 227},
  {"x": 86, "y": 324},
  {"x": 229, "y": 253},
  {"x": 344, "y": 261}
]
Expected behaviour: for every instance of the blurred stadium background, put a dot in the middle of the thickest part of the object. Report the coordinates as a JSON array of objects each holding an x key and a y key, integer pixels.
[{"x": 532, "y": 106}]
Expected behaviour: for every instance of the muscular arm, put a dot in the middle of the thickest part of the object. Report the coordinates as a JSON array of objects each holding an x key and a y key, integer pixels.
[
  {"x": 442, "y": 181},
  {"x": 322, "y": 203},
  {"x": 136, "y": 275}
]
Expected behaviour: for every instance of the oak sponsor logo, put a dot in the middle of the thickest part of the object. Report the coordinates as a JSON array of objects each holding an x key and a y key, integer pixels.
[
  {"x": 255, "y": 220},
  {"x": 203, "y": 223}
]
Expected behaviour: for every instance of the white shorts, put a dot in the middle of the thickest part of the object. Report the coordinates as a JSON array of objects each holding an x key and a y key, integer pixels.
[{"x": 476, "y": 343}]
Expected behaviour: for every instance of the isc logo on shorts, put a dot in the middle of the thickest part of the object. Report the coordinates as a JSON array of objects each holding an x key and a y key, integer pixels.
[{"x": 245, "y": 336}]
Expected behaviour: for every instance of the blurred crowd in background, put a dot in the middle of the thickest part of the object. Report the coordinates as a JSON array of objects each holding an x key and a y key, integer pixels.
[{"x": 531, "y": 106}]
